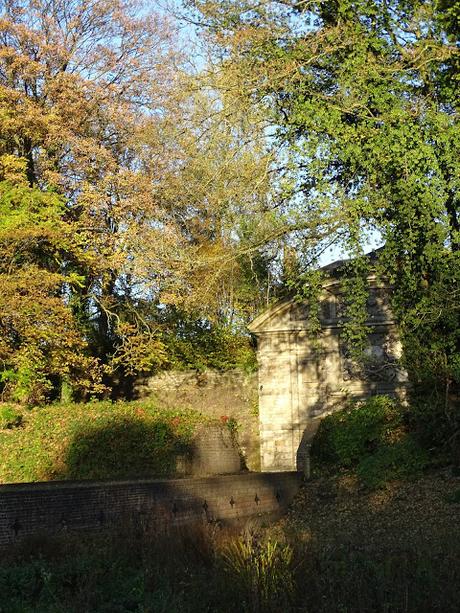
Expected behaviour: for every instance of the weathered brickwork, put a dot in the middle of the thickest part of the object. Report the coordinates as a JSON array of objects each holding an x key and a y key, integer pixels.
[{"x": 53, "y": 508}]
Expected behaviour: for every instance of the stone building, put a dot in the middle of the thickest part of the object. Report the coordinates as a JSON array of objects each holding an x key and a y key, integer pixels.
[{"x": 301, "y": 381}]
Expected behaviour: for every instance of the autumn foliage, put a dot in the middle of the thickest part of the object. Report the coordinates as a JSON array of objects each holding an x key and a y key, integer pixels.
[{"x": 113, "y": 207}]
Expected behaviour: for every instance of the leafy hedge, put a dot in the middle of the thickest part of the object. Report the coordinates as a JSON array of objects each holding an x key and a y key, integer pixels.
[
  {"x": 94, "y": 441},
  {"x": 371, "y": 437}
]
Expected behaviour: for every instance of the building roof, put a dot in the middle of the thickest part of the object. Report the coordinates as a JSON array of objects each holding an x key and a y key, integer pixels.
[{"x": 282, "y": 307}]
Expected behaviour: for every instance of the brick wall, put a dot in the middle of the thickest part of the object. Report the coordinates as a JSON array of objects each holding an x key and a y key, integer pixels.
[{"x": 53, "y": 508}]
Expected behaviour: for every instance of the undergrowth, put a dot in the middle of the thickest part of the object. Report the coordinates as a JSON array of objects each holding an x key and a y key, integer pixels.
[
  {"x": 372, "y": 438},
  {"x": 206, "y": 569}
]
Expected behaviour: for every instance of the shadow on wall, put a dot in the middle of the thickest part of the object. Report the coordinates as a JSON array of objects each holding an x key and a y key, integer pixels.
[
  {"x": 230, "y": 395},
  {"x": 361, "y": 552},
  {"x": 144, "y": 504},
  {"x": 300, "y": 382}
]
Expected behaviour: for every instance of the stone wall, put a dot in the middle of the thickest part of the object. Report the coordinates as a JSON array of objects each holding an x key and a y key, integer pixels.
[
  {"x": 214, "y": 452},
  {"x": 301, "y": 380},
  {"x": 231, "y": 394},
  {"x": 53, "y": 508}
]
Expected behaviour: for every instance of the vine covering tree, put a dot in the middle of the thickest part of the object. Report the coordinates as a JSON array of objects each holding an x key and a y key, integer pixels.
[
  {"x": 362, "y": 97},
  {"x": 144, "y": 205}
]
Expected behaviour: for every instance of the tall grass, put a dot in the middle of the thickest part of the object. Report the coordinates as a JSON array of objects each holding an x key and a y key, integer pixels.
[
  {"x": 210, "y": 569},
  {"x": 261, "y": 572}
]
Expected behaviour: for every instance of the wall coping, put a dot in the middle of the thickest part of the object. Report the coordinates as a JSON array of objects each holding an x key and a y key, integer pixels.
[{"x": 82, "y": 484}]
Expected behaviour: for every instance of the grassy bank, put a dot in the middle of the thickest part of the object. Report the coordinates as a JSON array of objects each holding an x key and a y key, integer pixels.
[{"x": 93, "y": 441}]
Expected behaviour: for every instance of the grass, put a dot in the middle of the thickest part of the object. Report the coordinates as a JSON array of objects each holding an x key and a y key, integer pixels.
[
  {"x": 206, "y": 569},
  {"x": 99, "y": 440}
]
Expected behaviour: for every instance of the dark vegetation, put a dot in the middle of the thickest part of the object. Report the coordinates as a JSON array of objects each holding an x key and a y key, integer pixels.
[
  {"x": 375, "y": 439},
  {"x": 375, "y": 530},
  {"x": 210, "y": 569}
]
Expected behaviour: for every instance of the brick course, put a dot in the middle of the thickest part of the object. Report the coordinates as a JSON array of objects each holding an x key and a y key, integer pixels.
[{"x": 51, "y": 508}]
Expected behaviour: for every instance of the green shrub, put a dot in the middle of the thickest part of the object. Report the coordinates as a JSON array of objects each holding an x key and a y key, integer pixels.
[
  {"x": 372, "y": 438},
  {"x": 347, "y": 436},
  {"x": 9, "y": 417},
  {"x": 403, "y": 459},
  {"x": 200, "y": 344}
]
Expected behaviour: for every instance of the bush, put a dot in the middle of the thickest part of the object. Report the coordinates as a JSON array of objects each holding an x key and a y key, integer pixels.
[
  {"x": 349, "y": 435},
  {"x": 372, "y": 438},
  {"x": 9, "y": 417},
  {"x": 403, "y": 459},
  {"x": 433, "y": 420}
]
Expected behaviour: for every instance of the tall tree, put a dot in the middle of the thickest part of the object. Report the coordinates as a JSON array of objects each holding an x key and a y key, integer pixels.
[
  {"x": 75, "y": 80},
  {"x": 120, "y": 191},
  {"x": 363, "y": 100}
]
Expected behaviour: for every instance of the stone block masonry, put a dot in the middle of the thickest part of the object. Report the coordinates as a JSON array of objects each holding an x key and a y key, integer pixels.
[
  {"x": 301, "y": 380},
  {"x": 55, "y": 507},
  {"x": 230, "y": 394}
]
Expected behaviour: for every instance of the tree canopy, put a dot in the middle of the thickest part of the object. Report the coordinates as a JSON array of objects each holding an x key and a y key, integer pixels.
[
  {"x": 120, "y": 193},
  {"x": 362, "y": 98}
]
